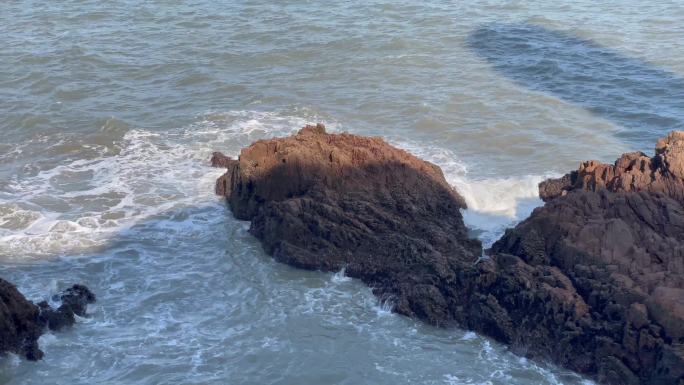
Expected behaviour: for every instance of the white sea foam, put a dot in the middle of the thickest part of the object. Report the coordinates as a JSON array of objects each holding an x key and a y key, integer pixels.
[
  {"x": 78, "y": 206},
  {"x": 493, "y": 203},
  {"x": 340, "y": 277}
]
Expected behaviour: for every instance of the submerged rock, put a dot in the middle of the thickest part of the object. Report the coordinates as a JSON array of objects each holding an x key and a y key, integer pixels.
[
  {"x": 330, "y": 201},
  {"x": 74, "y": 301},
  {"x": 22, "y": 322},
  {"x": 593, "y": 281}
]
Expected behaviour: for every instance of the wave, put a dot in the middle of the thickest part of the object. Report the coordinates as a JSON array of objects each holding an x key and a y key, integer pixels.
[{"x": 493, "y": 203}]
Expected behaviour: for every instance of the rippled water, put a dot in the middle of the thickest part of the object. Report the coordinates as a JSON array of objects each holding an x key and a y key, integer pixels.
[{"x": 110, "y": 111}]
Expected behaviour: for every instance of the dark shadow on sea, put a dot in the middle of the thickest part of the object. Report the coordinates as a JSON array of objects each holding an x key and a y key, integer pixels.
[{"x": 644, "y": 101}]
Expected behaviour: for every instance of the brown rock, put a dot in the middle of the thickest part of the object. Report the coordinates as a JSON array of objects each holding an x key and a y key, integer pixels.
[
  {"x": 662, "y": 173},
  {"x": 593, "y": 280},
  {"x": 331, "y": 201},
  {"x": 617, "y": 234}
]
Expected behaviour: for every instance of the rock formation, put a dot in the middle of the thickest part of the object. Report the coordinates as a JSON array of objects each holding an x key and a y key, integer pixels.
[
  {"x": 19, "y": 323},
  {"x": 331, "y": 201},
  {"x": 607, "y": 275},
  {"x": 22, "y": 322},
  {"x": 614, "y": 237},
  {"x": 634, "y": 171},
  {"x": 594, "y": 280}
]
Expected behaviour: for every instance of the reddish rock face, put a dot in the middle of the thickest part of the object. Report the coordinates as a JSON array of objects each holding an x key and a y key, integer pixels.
[
  {"x": 663, "y": 173},
  {"x": 621, "y": 257},
  {"x": 331, "y": 201}
]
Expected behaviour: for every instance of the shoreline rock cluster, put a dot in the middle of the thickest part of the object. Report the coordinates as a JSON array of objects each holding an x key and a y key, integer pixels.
[
  {"x": 22, "y": 322},
  {"x": 593, "y": 280}
]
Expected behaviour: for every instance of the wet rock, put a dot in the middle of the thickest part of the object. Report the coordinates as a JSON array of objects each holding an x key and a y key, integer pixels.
[
  {"x": 74, "y": 302},
  {"x": 330, "y": 201},
  {"x": 22, "y": 322},
  {"x": 76, "y": 299}
]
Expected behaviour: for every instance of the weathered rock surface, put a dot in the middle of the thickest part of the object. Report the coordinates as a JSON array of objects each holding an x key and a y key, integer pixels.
[
  {"x": 594, "y": 280},
  {"x": 19, "y": 323},
  {"x": 614, "y": 238},
  {"x": 331, "y": 201},
  {"x": 22, "y": 322},
  {"x": 615, "y": 305},
  {"x": 634, "y": 171}
]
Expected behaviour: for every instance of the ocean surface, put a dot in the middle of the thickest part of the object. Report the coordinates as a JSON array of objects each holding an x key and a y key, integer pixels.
[{"x": 109, "y": 111}]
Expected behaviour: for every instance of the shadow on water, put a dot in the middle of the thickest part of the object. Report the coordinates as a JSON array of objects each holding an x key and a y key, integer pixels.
[{"x": 645, "y": 101}]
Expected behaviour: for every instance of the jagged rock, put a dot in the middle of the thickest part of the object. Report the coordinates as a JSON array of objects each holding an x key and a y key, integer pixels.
[
  {"x": 22, "y": 322},
  {"x": 76, "y": 299},
  {"x": 634, "y": 171},
  {"x": 620, "y": 257},
  {"x": 331, "y": 201},
  {"x": 615, "y": 234}
]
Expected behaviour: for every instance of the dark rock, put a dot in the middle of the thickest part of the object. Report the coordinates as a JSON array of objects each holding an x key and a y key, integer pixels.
[
  {"x": 19, "y": 325},
  {"x": 330, "y": 201},
  {"x": 76, "y": 299},
  {"x": 620, "y": 258},
  {"x": 22, "y": 322},
  {"x": 55, "y": 319}
]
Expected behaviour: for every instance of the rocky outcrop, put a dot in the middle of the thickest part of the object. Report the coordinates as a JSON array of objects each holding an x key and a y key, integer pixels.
[
  {"x": 330, "y": 201},
  {"x": 22, "y": 322},
  {"x": 594, "y": 280},
  {"x": 19, "y": 323},
  {"x": 663, "y": 173},
  {"x": 614, "y": 307},
  {"x": 614, "y": 237}
]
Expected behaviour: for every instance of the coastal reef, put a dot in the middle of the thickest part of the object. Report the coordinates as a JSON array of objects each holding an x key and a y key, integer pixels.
[{"x": 593, "y": 280}]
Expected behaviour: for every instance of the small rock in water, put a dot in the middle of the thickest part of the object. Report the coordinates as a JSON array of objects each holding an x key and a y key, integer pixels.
[{"x": 22, "y": 322}]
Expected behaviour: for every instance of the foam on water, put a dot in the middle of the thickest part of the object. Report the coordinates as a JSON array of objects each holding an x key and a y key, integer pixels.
[
  {"x": 54, "y": 213},
  {"x": 493, "y": 203}
]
